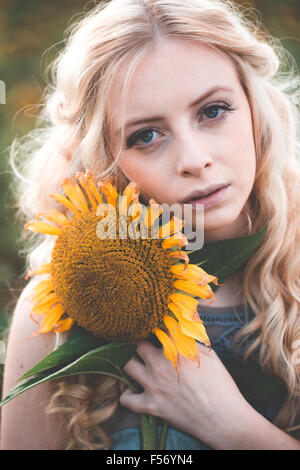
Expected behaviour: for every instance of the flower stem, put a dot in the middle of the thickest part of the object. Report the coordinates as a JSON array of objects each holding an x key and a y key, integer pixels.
[
  {"x": 163, "y": 436},
  {"x": 148, "y": 422},
  {"x": 149, "y": 432}
]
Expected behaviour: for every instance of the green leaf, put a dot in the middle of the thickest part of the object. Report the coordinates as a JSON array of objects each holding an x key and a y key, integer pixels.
[
  {"x": 223, "y": 258},
  {"x": 80, "y": 342},
  {"x": 108, "y": 360}
]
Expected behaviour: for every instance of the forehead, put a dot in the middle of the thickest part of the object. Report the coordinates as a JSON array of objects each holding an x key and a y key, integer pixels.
[{"x": 172, "y": 72}]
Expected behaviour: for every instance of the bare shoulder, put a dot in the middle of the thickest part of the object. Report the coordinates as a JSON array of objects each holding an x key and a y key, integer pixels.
[
  {"x": 24, "y": 424},
  {"x": 23, "y": 350}
]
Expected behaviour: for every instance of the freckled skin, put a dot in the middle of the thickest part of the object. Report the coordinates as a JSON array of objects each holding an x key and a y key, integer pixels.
[{"x": 185, "y": 153}]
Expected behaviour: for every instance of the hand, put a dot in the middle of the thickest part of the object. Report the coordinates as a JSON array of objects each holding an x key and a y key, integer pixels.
[{"x": 205, "y": 402}]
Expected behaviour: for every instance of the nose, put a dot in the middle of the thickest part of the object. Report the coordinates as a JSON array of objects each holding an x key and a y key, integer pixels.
[{"x": 193, "y": 154}]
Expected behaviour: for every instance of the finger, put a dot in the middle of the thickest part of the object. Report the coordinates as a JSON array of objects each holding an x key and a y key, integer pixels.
[
  {"x": 137, "y": 402},
  {"x": 136, "y": 369},
  {"x": 147, "y": 351},
  {"x": 134, "y": 401}
]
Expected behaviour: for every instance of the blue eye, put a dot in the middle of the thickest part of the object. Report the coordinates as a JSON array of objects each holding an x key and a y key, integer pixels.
[
  {"x": 144, "y": 138},
  {"x": 212, "y": 112}
]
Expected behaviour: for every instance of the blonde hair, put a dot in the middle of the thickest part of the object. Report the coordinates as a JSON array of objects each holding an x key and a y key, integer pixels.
[{"x": 73, "y": 135}]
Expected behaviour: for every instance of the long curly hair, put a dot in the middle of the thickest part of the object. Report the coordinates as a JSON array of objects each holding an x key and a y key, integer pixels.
[{"x": 72, "y": 134}]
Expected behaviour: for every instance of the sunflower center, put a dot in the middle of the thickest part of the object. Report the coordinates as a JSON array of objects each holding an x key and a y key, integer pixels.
[{"x": 115, "y": 288}]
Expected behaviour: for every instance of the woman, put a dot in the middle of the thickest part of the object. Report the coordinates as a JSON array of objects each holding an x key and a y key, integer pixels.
[{"x": 207, "y": 115}]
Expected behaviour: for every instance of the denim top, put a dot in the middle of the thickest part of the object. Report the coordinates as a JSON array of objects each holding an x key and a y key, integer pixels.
[{"x": 222, "y": 324}]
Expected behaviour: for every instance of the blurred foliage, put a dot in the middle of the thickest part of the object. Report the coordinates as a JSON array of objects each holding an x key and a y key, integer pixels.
[
  {"x": 31, "y": 34},
  {"x": 27, "y": 31}
]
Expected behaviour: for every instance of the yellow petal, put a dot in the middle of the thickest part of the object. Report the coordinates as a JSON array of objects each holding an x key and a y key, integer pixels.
[
  {"x": 49, "y": 321},
  {"x": 204, "y": 277},
  {"x": 184, "y": 312},
  {"x": 64, "y": 325},
  {"x": 82, "y": 201},
  {"x": 74, "y": 193},
  {"x": 185, "y": 300},
  {"x": 181, "y": 255},
  {"x": 171, "y": 228},
  {"x": 53, "y": 216},
  {"x": 43, "y": 269},
  {"x": 41, "y": 227},
  {"x": 88, "y": 178},
  {"x": 153, "y": 212},
  {"x": 42, "y": 289},
  {"x": 134, "y": 211},
  {"x": 169, "y": 347},
  {"x": 194, "y": 329},
  {"x": 179, "y": 240},
  {"x": 94, "y": 188},
  {"x": 185, "y": 345},
  {"x": 110, "y": 192},
  {"x": 192, "y": 273},
  {"x": 85, "y": 184},
  {"x": 194, "y": 289},
  {"x": 65, "y": 202},
  {"x": 46, "y": 303},
  {"x": 130, "y": 194},
  {"x": 169, "y": 243}
]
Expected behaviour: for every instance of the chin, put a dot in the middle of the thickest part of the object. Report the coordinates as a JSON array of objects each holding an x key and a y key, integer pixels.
[{"x": 227, "y": 227}]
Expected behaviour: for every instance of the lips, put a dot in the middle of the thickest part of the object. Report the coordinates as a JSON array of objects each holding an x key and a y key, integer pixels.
[
  {"x": 205, "y": 195},
  {"x": 205, "y": 192}
]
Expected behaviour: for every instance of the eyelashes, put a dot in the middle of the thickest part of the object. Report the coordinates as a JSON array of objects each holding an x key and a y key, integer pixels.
[
  {"x": 209, "y": 111},
  {"x": 214, "y": 107}
]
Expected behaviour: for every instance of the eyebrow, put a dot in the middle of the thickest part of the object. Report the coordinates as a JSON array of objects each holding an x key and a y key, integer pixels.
[{"x": 205, "y": 95}]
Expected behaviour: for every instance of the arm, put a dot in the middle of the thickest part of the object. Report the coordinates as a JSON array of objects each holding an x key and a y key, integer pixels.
[
  {"x": 205, "y": 402},
  {"x": 24, "y": 424},
  {"x": 257, "y": 433}
]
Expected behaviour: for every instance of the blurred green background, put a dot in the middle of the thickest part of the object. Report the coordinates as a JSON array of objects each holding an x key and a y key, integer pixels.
[{"x": 31, "y": 34}]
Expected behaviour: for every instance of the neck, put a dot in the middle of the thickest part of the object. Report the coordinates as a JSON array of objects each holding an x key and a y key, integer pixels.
[
  {"x": 239, "y": 228},
  {"x": 229, "y": 294}
]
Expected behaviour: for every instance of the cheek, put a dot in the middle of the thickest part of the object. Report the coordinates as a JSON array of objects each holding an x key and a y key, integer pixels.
[
  {"x": 131, "y": 167},
  {"x": 144, "y": 174},
  {"x": 243, "y": 151},
  {"x": 246, "y": 176},
  {"x": 248, "y": 164}
]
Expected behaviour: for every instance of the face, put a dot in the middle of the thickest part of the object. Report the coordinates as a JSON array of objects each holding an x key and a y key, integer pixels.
[{"x": 188, "y": 134}]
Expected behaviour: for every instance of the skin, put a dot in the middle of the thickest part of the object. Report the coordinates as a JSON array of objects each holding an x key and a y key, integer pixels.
[
  {"x": 181, "y": 152},
  {"x": 24, "y": 424},
  {"x": 188, "y": 149}
]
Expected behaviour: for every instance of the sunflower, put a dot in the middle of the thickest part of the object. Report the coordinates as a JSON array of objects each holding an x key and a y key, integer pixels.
[{"x": 117, "y": 271}]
